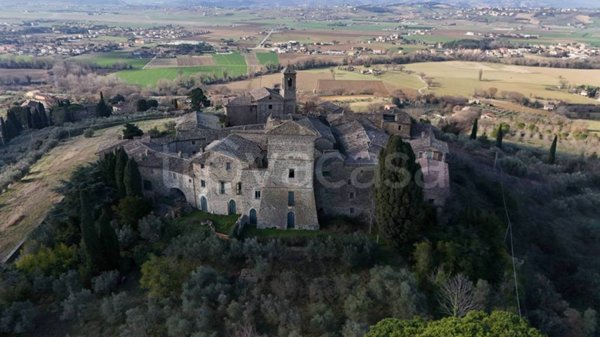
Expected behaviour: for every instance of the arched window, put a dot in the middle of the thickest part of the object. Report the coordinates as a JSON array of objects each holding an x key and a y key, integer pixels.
[
  {"x": 252, "y": 215},
  {"x": 290, "y": 82}
]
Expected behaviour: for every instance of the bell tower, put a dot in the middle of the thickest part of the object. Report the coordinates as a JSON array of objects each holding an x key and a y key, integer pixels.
[{"x": 288, "y": 86}]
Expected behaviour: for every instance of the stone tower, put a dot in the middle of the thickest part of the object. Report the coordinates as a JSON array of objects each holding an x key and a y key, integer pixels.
[
  {"x": 288, "y": 87},
  {"x": 288, "y": 196}
]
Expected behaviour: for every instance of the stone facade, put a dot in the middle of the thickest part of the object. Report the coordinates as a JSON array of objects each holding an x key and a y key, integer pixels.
[
  {"x": 285, "y": 172},
  {"x": 255, "y": 106}
]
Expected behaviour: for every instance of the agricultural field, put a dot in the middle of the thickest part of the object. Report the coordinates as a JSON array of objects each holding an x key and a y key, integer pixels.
[
  {"x": 462, "y": 79},
  {"x": 112, "y": 59},
  {"x": 267, "y": 58},
  {"x": 27, "y": 202},
  {"x": 223, "y": 65}
]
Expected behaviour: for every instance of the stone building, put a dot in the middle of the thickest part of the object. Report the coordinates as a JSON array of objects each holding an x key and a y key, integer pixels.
[
  {"x": 255, "y": 106},
  {"x": 288, "y": 171}
]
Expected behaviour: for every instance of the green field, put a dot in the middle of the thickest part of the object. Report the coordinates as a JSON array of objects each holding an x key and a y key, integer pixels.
[
  {"x": 113, "y": 58},
  {"x": 226, "y": 65},
  {"x": 233, "y": 59},
  {"x": 267, "y": 58},
  {"x": 149, "y": 77}
]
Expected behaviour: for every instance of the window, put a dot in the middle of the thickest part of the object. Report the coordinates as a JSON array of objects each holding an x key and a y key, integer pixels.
[
  {"x": 190, "y": 181},
  {"x": 228, "y": 166},
  {"x": 193, "y": 142},
  {"x": 399, "y": 127},
  {"x": 291, "y": 200},
  {"x": 351, "y": 210},
  {"x": 238, "y": 188},
  {"x": 326, "y": 174},
  {"x": 291, "y": 173},
  {"x": 270, "y": 106},
  {"x": 147, "y": 185},
  {"x": 256, "y": 194},
  {"x": 351, "y": 195},
  {"x": 202, "y": 166},
  {"x": 202, "y": 183},
  {"x": 222, "y": 187}
]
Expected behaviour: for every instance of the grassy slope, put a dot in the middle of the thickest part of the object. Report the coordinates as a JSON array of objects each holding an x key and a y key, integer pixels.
[{"x": 30, "y": 199}]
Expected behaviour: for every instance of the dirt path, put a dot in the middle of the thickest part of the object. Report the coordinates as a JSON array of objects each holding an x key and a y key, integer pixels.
[
  {"x": 426, "y": 87},
  {"x": 28, "y": 201},
  {"x": 252, "y": 62}
]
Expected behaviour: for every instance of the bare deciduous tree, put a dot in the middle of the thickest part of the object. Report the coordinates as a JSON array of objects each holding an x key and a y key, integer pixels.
[{"x": 456, "y": 296}]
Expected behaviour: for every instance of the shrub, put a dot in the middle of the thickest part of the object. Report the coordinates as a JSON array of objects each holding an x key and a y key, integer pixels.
[
  {"x": 49, "y": 261},
  {"x": 113, "y": 308},
  {"x": 78, "y": 306},
  {"x": 88, "y": 133},
  {"x": 513, "y": 166},
  {"x": 18, "y": 318},
  {"x": 67, "y": 284},
  {"x": 150, "y": 228},
  {"x": 163, "y": 276},
  {"x": 106, "y": 282}
]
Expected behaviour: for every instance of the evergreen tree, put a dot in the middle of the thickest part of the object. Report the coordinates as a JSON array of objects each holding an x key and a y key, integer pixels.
[
  {"x": 120, "y": 163},
  {"x": 199, "y": 100},
  {"x": 43, "y": 116},
  {"x": 108, "y": 165},
  {"x": 3, "y": 131},
  {"x": 474, "y": 129},
  {"x": 103, "y": 109},
  {"x": 552, "y": 154},
  {"x": 131, "y": 130},
  {"x": 36, "y": 121},
  {"x": 110, "y": 242},
  {"x": 499, "y": 137},
  {"x": 142, "y": 105},
  {"x": 89, "y": 234},
  {"x": 132, "y": 179},
  {"x": 12, "y": 127},
  {"x": 12, "y": 118},
  {"x": 400, "y": 211}
]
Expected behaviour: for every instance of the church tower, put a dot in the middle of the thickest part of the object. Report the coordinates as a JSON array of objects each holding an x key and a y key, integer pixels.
[{"x": 289, "y": 90}]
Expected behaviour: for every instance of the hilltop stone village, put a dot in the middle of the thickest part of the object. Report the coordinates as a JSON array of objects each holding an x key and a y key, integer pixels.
[{"x": 280, "y": 169}]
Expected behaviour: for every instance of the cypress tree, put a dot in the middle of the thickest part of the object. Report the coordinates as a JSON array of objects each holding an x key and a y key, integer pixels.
[
  {"x": 132, "y": 179},
  {"x": 474, "y": 129},
  {"x": 12, "y": 126},
  {"x": 43, "y": 116},
  {"x": 552, "y": 154},
  {"x": 3, "y": 130},
  {"x": 400, "y": 210},
  {"x": 499, "y": 137},
  {"x": 108, "y": 164},
  {"x": 120, "y": 163},
  {"x": 13, "y": 119},
  {"x": 89, "y": 234},
  {"x": 103, "y": 109},
  {"x": 110, "y": 242},
  {"x": 36, "y": 121}
]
